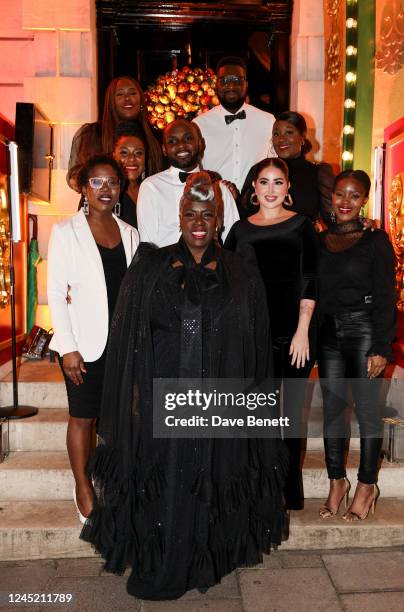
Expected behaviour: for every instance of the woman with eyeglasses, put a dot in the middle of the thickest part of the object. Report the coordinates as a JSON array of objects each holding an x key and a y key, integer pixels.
[{"x": 87, "y": 259}]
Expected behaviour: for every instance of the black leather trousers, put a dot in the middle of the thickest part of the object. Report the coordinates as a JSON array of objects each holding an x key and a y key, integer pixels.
[{"x": 344, "y": 341}]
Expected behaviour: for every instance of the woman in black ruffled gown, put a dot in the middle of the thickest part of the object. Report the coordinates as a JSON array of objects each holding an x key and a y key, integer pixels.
[{"x": 184, "y": 512}]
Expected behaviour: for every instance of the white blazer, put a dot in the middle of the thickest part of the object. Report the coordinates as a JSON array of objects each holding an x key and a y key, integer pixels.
[{"x": 74, "y": 265}]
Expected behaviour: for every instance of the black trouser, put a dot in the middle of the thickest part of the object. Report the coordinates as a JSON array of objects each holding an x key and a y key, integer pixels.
[
  {"x": 344, "y": 342},
  {"x": 293, "y": 402}
]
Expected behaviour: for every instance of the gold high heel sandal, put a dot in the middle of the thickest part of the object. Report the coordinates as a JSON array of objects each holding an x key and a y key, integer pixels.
[
  {"x": 326, "y": 512},
  {"x": 352, "y": 517}
]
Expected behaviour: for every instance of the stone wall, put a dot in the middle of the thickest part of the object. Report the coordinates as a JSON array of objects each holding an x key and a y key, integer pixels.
[
  {"x": 48, "y": 56},
  {"x": 307, "y": 68}
]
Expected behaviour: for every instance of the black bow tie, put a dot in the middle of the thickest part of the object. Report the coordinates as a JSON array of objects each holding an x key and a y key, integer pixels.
[
  {"x": 183, "y": 176},
  {"x": 230, "y": 118}
]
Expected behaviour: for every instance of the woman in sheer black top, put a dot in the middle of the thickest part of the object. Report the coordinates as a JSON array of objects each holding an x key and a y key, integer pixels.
[{"x": 356, "y": 298}]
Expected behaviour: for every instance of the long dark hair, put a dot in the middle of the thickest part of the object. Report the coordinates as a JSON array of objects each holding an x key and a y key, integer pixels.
[
  {"x": 299, "y": 122},
  {"x": 110, "y": 121},
  {"x": 269, "y": 162}
]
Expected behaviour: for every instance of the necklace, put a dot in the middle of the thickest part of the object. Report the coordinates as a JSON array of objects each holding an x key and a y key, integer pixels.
[{"x": 350, "y": 227}]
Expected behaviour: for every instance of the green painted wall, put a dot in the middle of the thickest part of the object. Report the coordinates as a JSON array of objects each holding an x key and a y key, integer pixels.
[{"x": 365, "y": 85}]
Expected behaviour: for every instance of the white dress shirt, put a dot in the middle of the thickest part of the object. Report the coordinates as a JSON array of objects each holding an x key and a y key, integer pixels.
[
  {"x": 158, "y": 208},
  {"x": 232, "y": 149}
]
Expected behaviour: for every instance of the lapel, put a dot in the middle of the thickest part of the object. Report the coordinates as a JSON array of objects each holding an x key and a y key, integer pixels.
[
  {"x": 86, "y": 241},
  {"x": 128, "y": 239}
]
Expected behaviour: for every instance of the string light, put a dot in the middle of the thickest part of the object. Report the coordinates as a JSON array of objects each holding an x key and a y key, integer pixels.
[
  {"x": 351, "y": 66},
  {"x": 350, "y": 77},
  {"x": 347, "y": 156},
  {"x": 348, "y": 129}
]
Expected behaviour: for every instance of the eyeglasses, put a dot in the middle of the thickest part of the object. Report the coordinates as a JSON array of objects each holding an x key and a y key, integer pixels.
[
  {"x": 228, "y": 79},
  {"x": 97, "y": 182}
]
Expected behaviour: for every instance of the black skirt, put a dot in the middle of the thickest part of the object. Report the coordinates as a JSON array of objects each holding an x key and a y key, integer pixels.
[{"x": 85, "y": 400}]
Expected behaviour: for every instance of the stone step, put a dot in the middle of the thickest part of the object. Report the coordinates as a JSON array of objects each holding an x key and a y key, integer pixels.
[
  {"x": 40, "y": 530},
  {"x": 46, "y": 431},
  {"x": 36, "y": 476},
  {"x": 49, "y": 530},
  {"x": 310, "y": 532},
  {"x": 39, "y": 476},
  {"x": 40, "y": 384},
  {"x": 39, "y": 394}
]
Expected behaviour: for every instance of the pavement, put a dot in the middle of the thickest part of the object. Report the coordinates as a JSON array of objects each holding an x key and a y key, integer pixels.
[{"x": 354, "y": 580}]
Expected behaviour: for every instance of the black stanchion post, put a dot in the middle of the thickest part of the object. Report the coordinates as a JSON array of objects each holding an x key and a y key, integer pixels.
[{"x": 14, "y": 411}]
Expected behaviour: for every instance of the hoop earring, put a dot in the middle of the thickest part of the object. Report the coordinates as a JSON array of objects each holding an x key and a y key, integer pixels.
[
  {"x": 332, "y": 216},
  {"x": 86, "y": 207},
  {"x": 117, "y": 209},
  {"x": 254, "y": 199},
  {"x": 288, "y": 201}
]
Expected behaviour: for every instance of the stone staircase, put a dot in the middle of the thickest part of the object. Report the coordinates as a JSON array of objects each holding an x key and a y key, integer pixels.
[{"x": 38, "y": 519}]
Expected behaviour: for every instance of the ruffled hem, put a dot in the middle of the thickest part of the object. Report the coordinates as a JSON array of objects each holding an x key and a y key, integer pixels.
[
  {"x": 111, "y": 527},
  {"x": 252, "y": 482}
]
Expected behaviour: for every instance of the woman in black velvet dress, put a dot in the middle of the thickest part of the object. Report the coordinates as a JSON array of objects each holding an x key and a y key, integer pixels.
[
  {"x": 284, "y": 245},
  {"x": 184, "y": 512},
  {"x": 310, "y": 183},
  {"x": 357, "y": 314}
]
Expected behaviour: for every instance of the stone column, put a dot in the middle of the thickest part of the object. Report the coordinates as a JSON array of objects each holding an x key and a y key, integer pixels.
[{"x": 307, "y": 68}]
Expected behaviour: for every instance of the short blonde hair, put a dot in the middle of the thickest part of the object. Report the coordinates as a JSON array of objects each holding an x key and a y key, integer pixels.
[{"x": 200, "y": 187}]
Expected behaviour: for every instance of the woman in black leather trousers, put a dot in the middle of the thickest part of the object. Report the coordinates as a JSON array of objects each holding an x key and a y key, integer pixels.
[{"x": 356, "y": 301}]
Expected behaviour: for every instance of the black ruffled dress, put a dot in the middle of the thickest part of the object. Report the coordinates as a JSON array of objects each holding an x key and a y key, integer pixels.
[{"x": 183, "y": 513}]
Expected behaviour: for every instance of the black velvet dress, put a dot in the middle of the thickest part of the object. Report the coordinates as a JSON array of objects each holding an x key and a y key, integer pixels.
[
  {"x": 183, "y": 512},
  {"x": 286, "y": 254}
]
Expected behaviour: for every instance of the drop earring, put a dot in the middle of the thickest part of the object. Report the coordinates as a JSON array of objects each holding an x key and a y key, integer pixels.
[
  {"x": 254, "y": 199},
  {"x": 117, "y": 209},
  {"x": 332, "y": 216},
  {"x": 288, "y": 201},
  {"x": 86, "y": 207}
]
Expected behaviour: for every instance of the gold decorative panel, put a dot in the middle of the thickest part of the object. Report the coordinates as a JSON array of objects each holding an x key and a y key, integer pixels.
[
  {"x": 333, "y": 49},
  {"x": 390, "y": 48},
  {"x": 396, "y": 220}
]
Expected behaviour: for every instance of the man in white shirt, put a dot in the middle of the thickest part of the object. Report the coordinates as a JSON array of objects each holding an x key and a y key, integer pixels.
[
  {"x": 159, "y": 195},
  {"x": 237, "y": 135}
]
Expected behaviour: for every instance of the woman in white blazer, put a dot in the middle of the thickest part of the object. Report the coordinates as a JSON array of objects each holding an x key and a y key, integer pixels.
[{"x": 87, "y": 258}]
